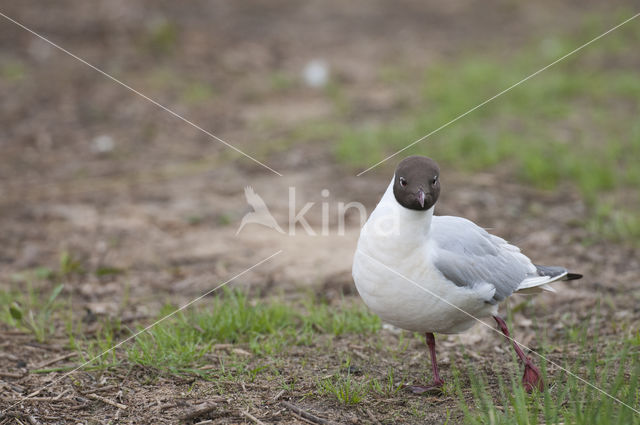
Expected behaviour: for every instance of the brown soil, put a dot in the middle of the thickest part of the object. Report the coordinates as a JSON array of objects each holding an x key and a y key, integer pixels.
[{"x": 164, "y": 205}]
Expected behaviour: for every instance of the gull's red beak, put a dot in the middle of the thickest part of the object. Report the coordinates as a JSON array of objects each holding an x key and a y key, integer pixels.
[{"x": 421, "y": 198}]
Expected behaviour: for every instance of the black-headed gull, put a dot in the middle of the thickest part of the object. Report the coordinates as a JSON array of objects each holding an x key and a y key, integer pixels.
[{"x": 437, "y": 274}]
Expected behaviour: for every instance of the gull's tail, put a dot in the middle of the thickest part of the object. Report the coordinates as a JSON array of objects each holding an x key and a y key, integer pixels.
[{"x": 545, "y": 275}]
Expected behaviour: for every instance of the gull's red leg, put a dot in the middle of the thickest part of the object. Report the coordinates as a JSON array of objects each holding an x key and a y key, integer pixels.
[
  {"x": 531, "y": 378},
  {"x": 437, "y": 381},
  {"x": 431, "y": 342}
]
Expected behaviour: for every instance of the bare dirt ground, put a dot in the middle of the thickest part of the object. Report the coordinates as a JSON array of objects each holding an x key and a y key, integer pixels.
[{"x": 164, "y": 204}]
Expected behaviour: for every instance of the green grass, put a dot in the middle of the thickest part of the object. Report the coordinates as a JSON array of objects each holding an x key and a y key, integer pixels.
[
  {"x": 32, "y": 310},
  {"x": 197, "y": 93},
  {"x": 574, "y": 123},
  {"x": 350, "y": 390},
  {"x": 39, "y": 308},
  {"x": 265, "y": 327},
  {"x": 568, "y": 400},
  {"x": 96, "y": 348},
  {"x": 260, "y": 332},
  {"x": 580, "y": 110},
  {"x": 345, "y": 389},
  {"x": 161, "y": 37},
  {"x": 388, "y": 386},
  {"x": 12, "y": 71}
]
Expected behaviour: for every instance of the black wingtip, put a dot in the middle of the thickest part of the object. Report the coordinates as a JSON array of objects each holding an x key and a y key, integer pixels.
[{"x": 554, "y": 271}]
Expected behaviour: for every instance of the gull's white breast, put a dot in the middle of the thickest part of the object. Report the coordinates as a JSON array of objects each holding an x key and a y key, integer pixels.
[{"x": 395, "y": 276}]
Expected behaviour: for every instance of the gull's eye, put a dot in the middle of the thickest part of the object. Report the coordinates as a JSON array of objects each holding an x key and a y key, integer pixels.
[
  {"x": 403, "y": 182},
  {"x": 435, "y": 180}
]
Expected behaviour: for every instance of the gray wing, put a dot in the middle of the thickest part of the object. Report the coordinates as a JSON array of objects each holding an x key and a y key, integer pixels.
[{"x": 468, "y": 255}]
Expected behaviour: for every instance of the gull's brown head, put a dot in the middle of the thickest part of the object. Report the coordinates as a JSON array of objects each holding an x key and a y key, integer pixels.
[{"x": 417, "y": 183}]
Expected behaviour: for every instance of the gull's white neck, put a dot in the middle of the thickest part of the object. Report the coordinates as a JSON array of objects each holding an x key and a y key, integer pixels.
[{"x": 391, "y": 221}]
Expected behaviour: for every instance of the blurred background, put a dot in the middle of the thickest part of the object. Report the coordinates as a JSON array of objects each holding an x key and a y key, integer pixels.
[
  {"x": 319, "y": 92},
  {"x": 133, "y": 208}
]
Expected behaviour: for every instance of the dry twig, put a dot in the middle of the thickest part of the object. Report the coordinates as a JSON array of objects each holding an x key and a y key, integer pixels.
[
  {"x": 360, "y": 355},
  {"x": 106, "y": 400},
  {"x": 32, "y": 399},
  {"x": 306, "y": 415},
  {"x": 17, "y": 415},
  {"x": 371, "y": 416},
  {"x": 199, "y": 411},
  {"x": 252, "y": 418},
  {"x": 47, "y": 347},
  {"x": 105, "y": 388},
  {"x": 162, "y": 407},
  {"x": 54, "y": 360},
  {"x": 11, "y": 375}
]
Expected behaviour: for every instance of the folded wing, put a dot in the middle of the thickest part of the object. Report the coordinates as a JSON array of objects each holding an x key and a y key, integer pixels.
[{"x": 469, "y": 256}]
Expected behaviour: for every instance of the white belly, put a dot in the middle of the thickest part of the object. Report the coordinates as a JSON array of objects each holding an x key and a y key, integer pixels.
[{"x": 411, "y": 294}]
